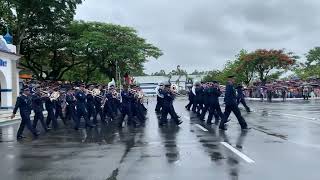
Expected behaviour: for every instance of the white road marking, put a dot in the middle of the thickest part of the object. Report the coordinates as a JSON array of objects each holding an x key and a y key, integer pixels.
[
  {"x": 313, "y": 120},
  {"x": 201, "y": 127},
  {"x": 240, "y": 154}
]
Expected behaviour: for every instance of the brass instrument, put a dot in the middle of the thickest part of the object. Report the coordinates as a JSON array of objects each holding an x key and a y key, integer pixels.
[
  {"x": 96, "y": 92},
  {"x": 115, "y": 94},
  {"x": 54, "y": 96},
  {"x": 44, "y": 93},
  {"x": 174, "y": 89}
]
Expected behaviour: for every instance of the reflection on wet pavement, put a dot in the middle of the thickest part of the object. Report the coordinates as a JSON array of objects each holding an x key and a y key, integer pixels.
[{"x": 284, "y": 143}]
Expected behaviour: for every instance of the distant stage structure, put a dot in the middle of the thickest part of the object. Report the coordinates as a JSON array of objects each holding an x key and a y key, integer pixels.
[{"x": 149, "y": 83}]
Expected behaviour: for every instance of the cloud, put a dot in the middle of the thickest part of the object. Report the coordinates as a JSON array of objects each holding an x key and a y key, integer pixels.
[{"x": 204, "y": 34}]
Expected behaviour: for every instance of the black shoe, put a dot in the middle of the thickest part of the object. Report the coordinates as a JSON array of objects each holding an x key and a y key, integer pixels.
[
  {"x": 223, "y": 128},
  {"x": 179, "y": 122},
  {"x": 20, "y": 137},
  {"x": 209, "y": 122},
  {"x": 76, "y": 128}
]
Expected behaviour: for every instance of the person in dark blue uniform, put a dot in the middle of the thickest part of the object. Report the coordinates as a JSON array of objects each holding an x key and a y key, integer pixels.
[
  {"x": 205, "y": 95},
  {"x": 167, "y": 107},
  {"x": 107, "y": 107},
  {"x": 37, "y": 106},
  {"x": 159, "y": 98},
  {"x": 213, "y": 100},
  {"x": 90, "y": 106},
  {"x": 50, "y": 109},
  {"x": 71, "y": 107},
  {"x": 138, "y": 109},
  {"x": 98, "y": 103},
  {"x": 24, "y": 103},
  {"x": 198, "y": 103},
  {"x": 230, "y": 100},
  {"x": 127, "y": 101},
  {"x": 191, "y": 100},
  {"x": 58, "y": 108},
  {"x": 81, "y": 108},
  {"x": 241, "y": 97}
]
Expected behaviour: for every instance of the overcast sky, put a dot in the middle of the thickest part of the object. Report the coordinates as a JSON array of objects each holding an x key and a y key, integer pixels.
[{"x": 204, "y": 34}]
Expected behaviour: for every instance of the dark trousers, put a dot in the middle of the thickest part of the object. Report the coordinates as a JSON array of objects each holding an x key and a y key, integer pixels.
[
  {"x": 188, "y": 106},
  {"x": 168, "y": 109},
  {"x": 51, "y": 118},
  {"x": 81, "y": 112},
  {"x": 25, "y": 121},
  {"x": 204, "y": 111},
  {"x": 139, "y": 112},
  {"x": 68, "y": 112},
  {"x": 107, "y": 111},
  {"x": 59, "y": 113},
  {"x": 159, "y": 104},
  {"x": 92, "y": 113},
  {"x": 115, "y": 106},
  {"x": 235, "y": 109},
  {"x": 99, "y": 110},
  {"x": 126, "y": 111},
  {"x": 72, "y": 114},
  {"x": 215, "y": 110},
  {"x": 38, "y": 116},
  {"x": 243, "y": 102}
]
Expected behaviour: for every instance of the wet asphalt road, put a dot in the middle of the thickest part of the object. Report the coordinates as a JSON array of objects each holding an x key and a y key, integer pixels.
[{"x": 284, "y": 144}]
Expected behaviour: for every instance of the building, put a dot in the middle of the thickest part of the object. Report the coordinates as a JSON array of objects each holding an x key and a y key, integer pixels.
[
  {"x": 9, "y": 74},
  {"x": 149, "y": 83}
]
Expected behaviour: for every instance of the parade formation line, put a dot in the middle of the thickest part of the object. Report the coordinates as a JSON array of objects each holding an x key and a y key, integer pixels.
[{"x": 237, "y": 152}]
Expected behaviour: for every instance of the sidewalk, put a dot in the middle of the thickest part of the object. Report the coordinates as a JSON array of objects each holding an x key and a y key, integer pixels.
[{"x": 280, "y": 99}]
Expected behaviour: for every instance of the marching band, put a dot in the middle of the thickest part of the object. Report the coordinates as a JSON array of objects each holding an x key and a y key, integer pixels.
[{"x": 79, "y": 101}]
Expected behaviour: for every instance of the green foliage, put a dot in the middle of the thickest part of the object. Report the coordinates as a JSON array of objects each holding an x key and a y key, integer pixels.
[
  {"x": 160, "y": 73},
  {"x": 263, "y": 62},
  {"x": 313, "y": 56},
  {"x": 109, "y": 46},
  {"x": 311, "y": 68},
  {"x": 52, "y": 44},
  {"x": 267, "y": 65}
]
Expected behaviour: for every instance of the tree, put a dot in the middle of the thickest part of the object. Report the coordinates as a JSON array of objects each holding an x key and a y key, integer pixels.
[
  {"x": 214, "y": 75},
  {"x": 311, "y": 67},
  {"x": 27, "y": 18},
  {"x": 267, "y": 61},
  {"x": 313, "y": 56},
  {"x": 160, "y": 73},
  {"x": 110, "y": 46}
]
